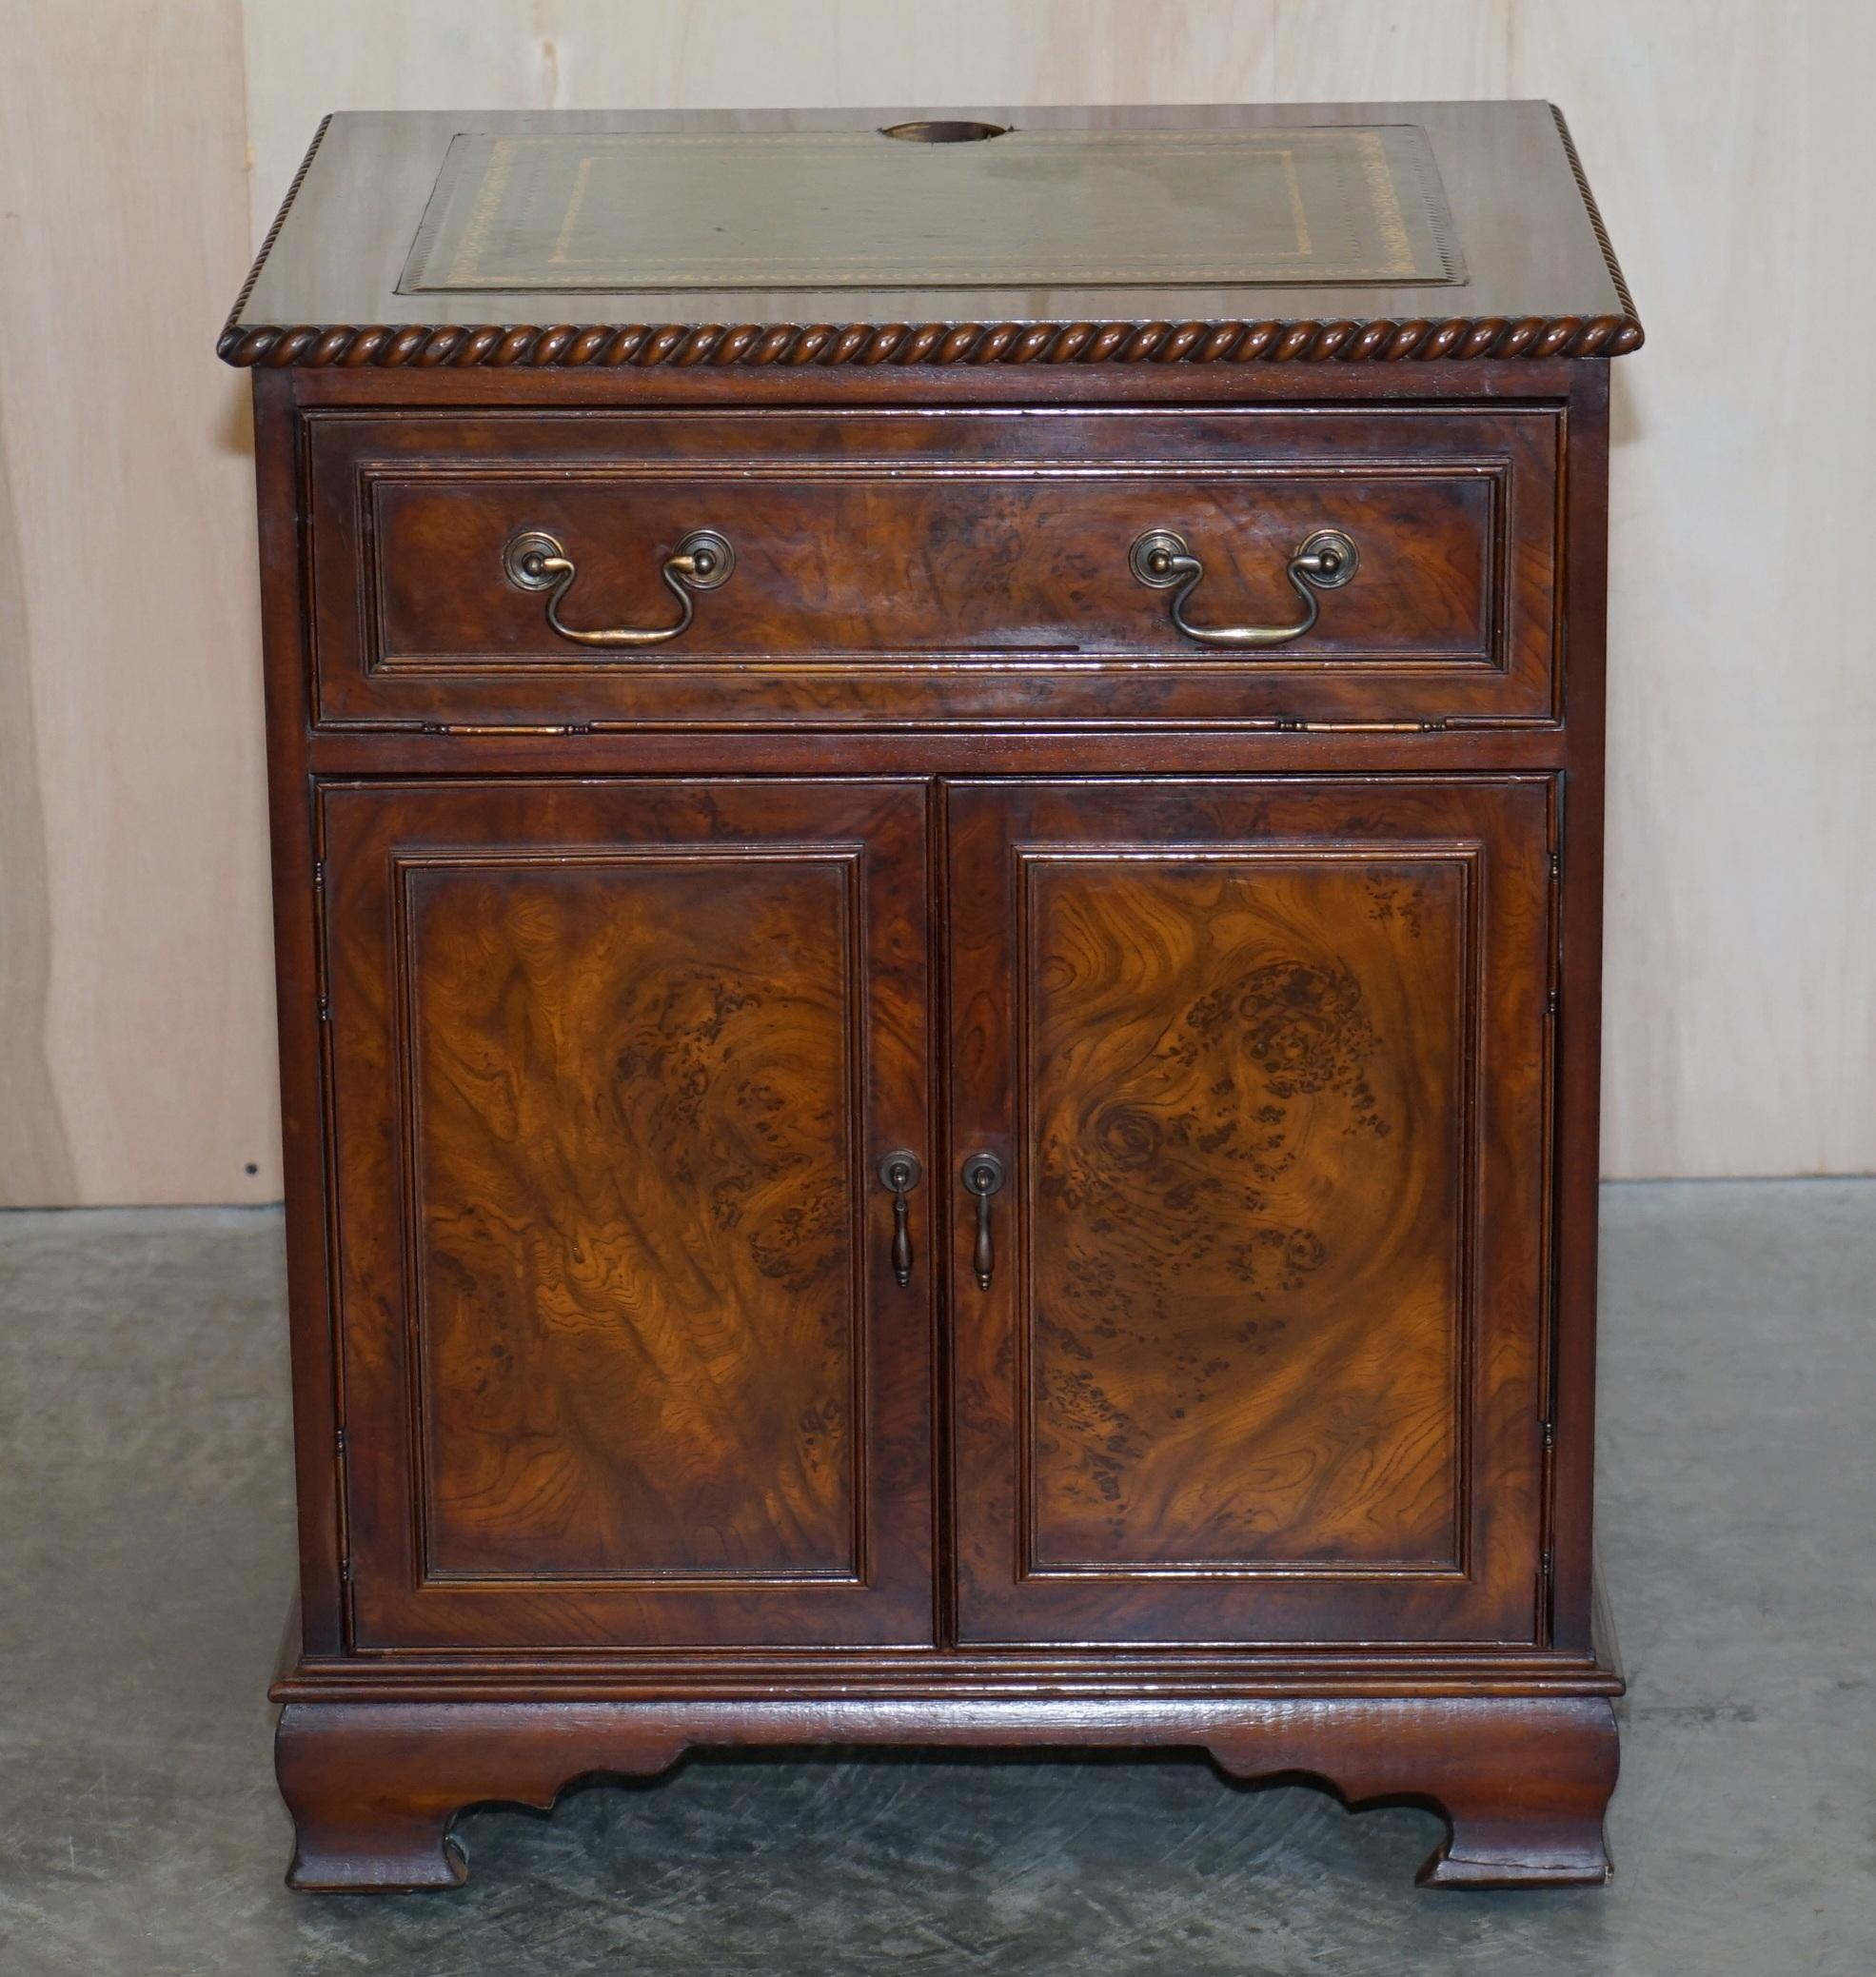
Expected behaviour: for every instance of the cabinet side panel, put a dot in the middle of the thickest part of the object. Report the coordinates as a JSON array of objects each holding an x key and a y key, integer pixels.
[
  {"x": 317, "y": 1399},
  {"x": 1579, "y": 1026}
]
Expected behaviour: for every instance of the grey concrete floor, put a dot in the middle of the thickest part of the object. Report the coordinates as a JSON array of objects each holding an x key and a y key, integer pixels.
[{"x": 145, "y": 1555}]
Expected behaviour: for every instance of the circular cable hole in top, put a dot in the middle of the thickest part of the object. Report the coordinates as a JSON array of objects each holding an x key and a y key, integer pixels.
[{"x": 943, "y": 133}]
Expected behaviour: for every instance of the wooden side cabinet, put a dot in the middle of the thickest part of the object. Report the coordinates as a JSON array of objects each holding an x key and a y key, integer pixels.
[{"x": 938, "y": 940}]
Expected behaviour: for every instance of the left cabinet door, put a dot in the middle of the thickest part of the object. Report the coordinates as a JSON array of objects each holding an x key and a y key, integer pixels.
[{"x": 613, "y": 1067}]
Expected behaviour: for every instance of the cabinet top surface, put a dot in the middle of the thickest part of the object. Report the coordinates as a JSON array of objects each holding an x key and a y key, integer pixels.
[{"x": 1222, "y": 234}]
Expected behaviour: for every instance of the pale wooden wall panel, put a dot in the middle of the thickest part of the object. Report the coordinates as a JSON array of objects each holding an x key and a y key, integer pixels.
[
  {"x": 137, "y": 1015},
  {"x": 1394, "y": 50},
  {"x": 600, "y": 54},
  {"x": 1734, "y": 165},
  {"x": 1737, "y": 163}
]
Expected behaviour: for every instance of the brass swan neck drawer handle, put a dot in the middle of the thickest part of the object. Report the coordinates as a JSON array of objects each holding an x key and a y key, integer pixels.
[
  {"x": 1324, "y": 560},
  {"x": 535, "y": 561},
  {"x": 983, "y": 1174},
  {"x": 901, "y": 1172}
]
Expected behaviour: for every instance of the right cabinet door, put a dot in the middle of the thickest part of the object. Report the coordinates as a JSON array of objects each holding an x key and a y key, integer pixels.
[{"x": 1248, "y": 1338}]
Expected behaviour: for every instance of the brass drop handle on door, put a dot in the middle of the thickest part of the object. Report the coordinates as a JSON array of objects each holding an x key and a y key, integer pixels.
[
  {"x": 1324, "y": 560},
  {"x": 535, "y": 560},
  {"x": 982, "y": 1176},
  {"x": 901, "y": 1173}
]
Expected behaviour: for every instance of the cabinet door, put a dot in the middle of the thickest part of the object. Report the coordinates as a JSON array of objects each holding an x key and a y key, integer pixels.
[
  {"x": 1265, "y": 1063},
  {"x": 613, "y": 1068}
]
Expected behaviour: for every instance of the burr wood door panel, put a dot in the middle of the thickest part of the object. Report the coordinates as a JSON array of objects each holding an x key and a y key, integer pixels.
[
  {"x": 1266, "y": 1066},
  {"x": 613, "y": 1068}
]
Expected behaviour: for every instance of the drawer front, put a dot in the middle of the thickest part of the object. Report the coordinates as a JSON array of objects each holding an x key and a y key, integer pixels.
[{"x": 953, "y": 566}]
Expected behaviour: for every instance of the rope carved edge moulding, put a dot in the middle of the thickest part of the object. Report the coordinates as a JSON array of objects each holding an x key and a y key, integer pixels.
[{"x": 427, "y": 345}]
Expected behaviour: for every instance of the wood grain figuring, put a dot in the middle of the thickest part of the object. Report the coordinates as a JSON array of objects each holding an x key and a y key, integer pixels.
[
  {"x": 1261, "y": 1362},
  {"x": 612, "y": 1065},
  {"x": 955, "y": 568},
  {"x": 1249, "y": 1090},
  {"x": 634, "y": 1154}
]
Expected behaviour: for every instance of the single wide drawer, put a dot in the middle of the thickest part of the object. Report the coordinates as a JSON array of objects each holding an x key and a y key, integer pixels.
[{"x": 602, "y": 566}]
